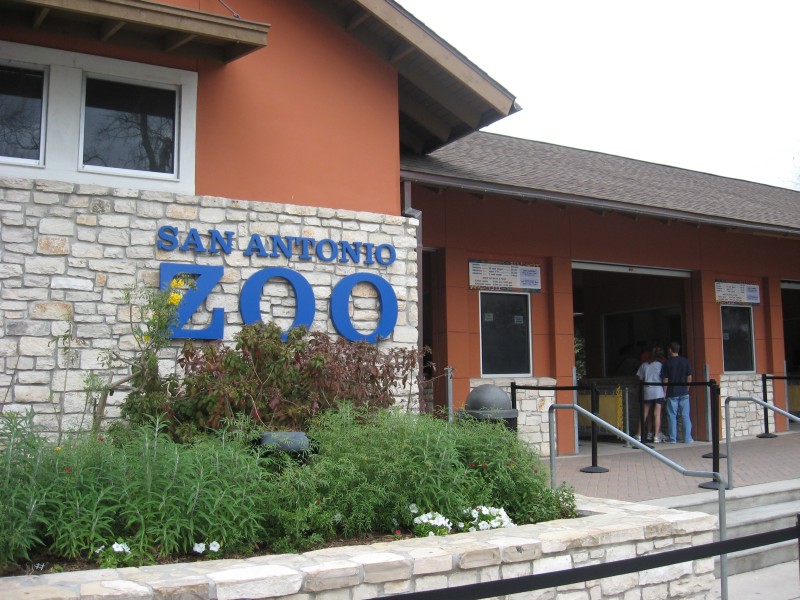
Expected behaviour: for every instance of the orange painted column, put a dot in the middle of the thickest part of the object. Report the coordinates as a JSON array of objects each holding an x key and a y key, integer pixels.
[
  {"x": 706, "y": 344},
  {"x": 563, "y": 333},
  {"x": 775, "y": 355}
]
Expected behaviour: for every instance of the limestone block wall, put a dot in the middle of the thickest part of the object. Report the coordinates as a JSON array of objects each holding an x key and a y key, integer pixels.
[
  {"x": 747, "y": 418},
  {"x": 68, "y": 253},
  {"x": 610, "y": 531},
  {"x": 533, "y": 426}
]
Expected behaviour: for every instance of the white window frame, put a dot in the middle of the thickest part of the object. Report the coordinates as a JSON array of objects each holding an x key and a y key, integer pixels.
[
  {"x": 43, "y": 119},
  {"x": 65, "y": 76},
  {"x": 530, "y": 335},
  {"x": 752, "y": 338}
]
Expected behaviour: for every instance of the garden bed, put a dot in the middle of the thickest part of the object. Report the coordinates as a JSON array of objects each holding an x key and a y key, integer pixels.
[{"x": 610, "y": 530}]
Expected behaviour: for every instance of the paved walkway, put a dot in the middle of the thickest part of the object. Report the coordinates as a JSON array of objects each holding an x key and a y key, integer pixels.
[{"x": 635, "y": 476}]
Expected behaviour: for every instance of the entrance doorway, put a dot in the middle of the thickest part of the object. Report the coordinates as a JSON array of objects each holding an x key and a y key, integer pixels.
[
  {"x": 621, "y": 313},
  {"x": 790, "y": 300}
]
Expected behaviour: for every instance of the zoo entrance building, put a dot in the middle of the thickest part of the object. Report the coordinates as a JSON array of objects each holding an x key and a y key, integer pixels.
[{"x": 320, "y": 162}]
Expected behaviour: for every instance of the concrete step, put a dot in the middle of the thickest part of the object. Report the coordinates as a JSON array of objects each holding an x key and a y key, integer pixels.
[
  {"x": 754, "y": 559},
  {"x": 736, "y": 499},
  {"x": 749, "y": 510}
]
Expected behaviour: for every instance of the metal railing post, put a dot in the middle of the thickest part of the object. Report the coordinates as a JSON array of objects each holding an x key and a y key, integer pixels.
[
  {"x": 712, "y": 485},
  {"x": 449, "y": 372}
]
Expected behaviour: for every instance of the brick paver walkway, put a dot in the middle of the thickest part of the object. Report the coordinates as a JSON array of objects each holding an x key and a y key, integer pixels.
[{"x": 635, "y": 476}]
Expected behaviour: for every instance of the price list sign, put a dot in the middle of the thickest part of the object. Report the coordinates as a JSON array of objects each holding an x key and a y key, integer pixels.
[
  {"x": 484, "y": 275},
  {"x": 737, "y": 292}
]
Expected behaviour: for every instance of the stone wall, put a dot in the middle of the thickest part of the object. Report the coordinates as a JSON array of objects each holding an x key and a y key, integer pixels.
[
  {"x": 611, "y": 531},
  {"x": 70, "y": 251},
  {"x": 747, "y": 418}
]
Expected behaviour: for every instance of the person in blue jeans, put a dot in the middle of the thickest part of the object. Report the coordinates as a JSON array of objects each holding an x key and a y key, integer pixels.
[{"x": 677, "y": 373}]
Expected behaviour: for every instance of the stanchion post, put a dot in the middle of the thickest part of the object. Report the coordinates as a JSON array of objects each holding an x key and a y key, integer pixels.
[
  {"x": 766, "y": 433},
  {"x": 713, "y": 485},
  {"x": 595, "y": 401}
]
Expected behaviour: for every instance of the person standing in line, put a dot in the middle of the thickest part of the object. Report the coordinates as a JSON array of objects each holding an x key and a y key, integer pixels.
[
  {"x": 677, "y": 373},
  {"x": 650, "y": 372}
]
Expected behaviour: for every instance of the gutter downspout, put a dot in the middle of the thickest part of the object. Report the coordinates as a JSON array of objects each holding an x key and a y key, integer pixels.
[{"x": 409, "y": 211}]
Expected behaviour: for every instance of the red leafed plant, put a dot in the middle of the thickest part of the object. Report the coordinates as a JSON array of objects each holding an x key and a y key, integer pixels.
[{"x": 280, "y": 384}]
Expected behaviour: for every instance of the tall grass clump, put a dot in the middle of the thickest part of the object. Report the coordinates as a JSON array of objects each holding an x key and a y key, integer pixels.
[{"x": 136, "y": 490}]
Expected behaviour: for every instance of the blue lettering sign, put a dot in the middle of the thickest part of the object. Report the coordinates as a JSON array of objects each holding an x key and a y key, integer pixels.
[
  {"x": 250, "y": 298},
  {"x": 208, "y": 276},
  {"x": 340, "y": 303}
]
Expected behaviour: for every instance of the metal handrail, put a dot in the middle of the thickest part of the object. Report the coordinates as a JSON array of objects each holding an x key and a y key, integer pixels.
[
  {"x": 721, "y": 485},
  {"x": 728, "y": 447}
]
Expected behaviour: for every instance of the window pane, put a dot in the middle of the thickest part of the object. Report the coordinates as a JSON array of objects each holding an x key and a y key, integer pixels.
[
  {"x": 737, "y": 338},
  {"x": 505, "y": 334},
  {"x": 129, "y": 127},
  {"x": 21, "y": 100}
]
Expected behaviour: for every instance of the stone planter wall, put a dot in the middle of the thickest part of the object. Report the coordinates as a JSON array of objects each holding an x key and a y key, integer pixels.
[
  {"x": 611, "y": 531},
  {"x": 69, "y": 251},
  {"x": 747, "y": 418}
]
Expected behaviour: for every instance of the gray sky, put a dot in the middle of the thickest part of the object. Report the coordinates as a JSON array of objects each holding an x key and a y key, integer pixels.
[{"x": 707, "y": 85}]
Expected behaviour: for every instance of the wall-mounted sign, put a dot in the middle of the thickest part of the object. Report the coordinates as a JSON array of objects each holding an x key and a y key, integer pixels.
[
  {"x": 737, "y": 292},
  {"x": 206, "y": 277},
  {"x": 516, "y": 277}
]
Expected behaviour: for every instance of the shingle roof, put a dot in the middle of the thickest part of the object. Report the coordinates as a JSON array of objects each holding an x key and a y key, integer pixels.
[{"x": 512, "y": 166}]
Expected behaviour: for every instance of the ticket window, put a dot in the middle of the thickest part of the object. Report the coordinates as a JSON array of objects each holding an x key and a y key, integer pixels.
[
  {"x": 737, "y": 339},
  {"x": 505, "y": 334}
]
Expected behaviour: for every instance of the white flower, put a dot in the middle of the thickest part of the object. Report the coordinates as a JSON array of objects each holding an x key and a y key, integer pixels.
[
  {"x": 413, "y": 509},
  {"x": 213, "y": 547},
  {"x": 199, "y": 547},
  {"x": 121, "y": 548},
  {"x": 337, "y": 517},
  {"x": 431, "y": 534},
  {"x": 100, "y": 549}
]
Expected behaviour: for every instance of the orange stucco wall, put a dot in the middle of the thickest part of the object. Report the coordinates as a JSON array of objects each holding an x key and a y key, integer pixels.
[
  {"x": 311, "y": 119},
  {"x": 467, "y": 226}
]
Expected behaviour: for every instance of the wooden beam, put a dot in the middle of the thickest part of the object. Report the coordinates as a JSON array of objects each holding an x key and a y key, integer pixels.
[
  {"x": 39, "y": 16},
  {"x": 173, "y": 41},
  {"x": 400, "y": 53},
  {"x": 358, "y": 19},
  {"x": 423, "y": 117},
  {"x": 109, "y": 29}
]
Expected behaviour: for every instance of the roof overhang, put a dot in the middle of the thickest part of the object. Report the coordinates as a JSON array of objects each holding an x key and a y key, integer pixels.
[
  {"x": 140, "y": 24},
  {"x": 442, "y": 95},
  {"x": 597, "y": 204}
]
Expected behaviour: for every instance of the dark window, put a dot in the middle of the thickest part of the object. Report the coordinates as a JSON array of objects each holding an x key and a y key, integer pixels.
[
  {"x": 21, "y": 102},
  {"x": 505, "y": 334},
  {"x": 129, "y": 126},
  {"x": 737, "y": 339}
]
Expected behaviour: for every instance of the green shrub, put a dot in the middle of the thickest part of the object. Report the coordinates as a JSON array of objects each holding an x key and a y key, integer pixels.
[{"x": 370, "y": 467}]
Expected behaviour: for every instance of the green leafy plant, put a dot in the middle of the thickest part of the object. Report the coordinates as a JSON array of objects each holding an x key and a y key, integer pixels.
[{"x": 157, "y": 499}]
